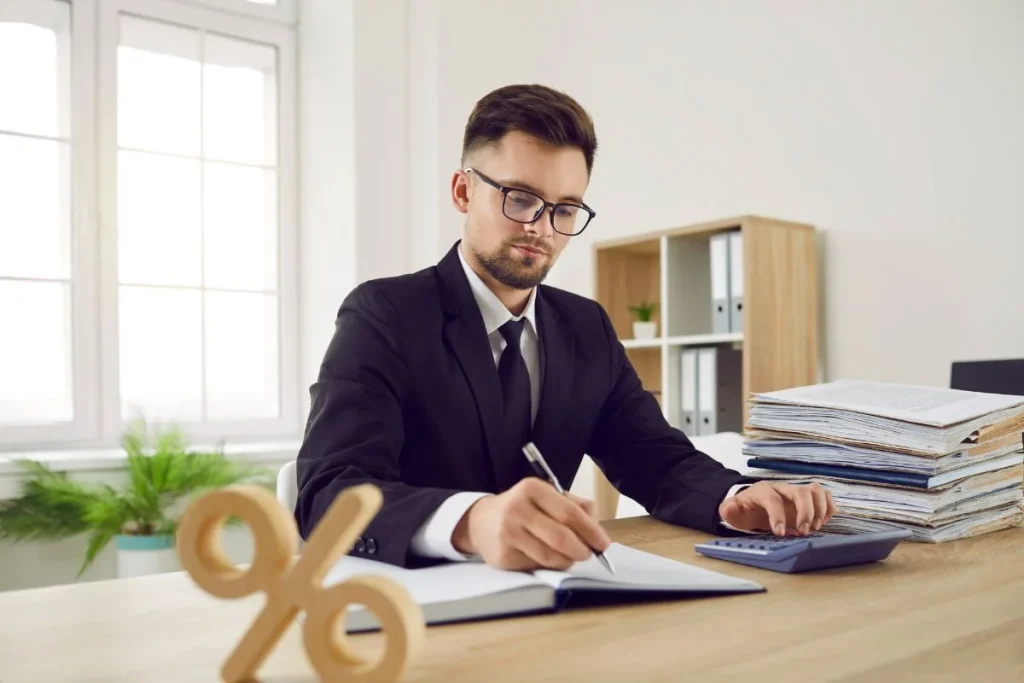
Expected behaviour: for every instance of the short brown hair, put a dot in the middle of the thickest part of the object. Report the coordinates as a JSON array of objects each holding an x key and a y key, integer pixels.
[{"x": 536, "y": 110}]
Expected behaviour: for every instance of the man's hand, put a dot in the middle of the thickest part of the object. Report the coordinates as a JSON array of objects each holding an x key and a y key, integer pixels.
[
  {"x": 530, "y": 526},
  {"x": 781, "y": 508}
]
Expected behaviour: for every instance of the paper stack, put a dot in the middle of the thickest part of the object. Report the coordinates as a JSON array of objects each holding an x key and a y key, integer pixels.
[{"x": 943, "y": 463}]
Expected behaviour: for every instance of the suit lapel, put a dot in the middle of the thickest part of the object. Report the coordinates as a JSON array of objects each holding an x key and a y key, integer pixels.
[
  {"x": 558, "y": 359},
  {"x": 465, "y": 333}
]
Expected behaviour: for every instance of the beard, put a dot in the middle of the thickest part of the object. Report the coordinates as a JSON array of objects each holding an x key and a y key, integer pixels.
[{"x": 514, "y": 270}]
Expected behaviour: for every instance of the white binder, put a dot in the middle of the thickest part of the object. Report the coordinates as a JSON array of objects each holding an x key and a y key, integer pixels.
[
  {"x": 736, "y": 281},
  {"x": 707, "y": 392},
  {"x": 720, "y": 392},
  {"x": 720, "y": 283},
  {"x": 688, "y": 419}
]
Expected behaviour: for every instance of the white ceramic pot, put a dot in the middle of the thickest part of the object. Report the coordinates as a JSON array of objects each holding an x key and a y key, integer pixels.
[
  {"x": 647, "y": 330},
  {"x": 144, "y": 555}
]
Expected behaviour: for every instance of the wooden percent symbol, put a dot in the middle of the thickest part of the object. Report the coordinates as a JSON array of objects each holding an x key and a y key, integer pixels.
[{"x": 290, "y": 586}]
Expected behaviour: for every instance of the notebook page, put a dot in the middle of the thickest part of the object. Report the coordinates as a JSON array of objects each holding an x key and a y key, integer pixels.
[
  {"x": 443, "y": 583},
  {"x": 637, "y": 570}
]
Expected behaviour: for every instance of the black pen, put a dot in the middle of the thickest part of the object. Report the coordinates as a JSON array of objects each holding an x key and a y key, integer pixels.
[{"x": 540, "y": 466}]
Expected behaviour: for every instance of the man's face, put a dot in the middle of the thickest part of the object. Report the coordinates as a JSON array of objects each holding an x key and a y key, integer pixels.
[{"x": 515, "y": 254}]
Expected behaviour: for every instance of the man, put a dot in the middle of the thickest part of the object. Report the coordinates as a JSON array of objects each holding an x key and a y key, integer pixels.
[{"x": 433, "y": 381}]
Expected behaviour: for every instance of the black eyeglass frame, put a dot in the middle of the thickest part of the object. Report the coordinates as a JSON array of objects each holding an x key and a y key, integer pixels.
[{"x": 545, "y": 204}]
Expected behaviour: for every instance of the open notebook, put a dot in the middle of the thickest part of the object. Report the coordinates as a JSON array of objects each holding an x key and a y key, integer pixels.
[{"x": 472, "y": 590}]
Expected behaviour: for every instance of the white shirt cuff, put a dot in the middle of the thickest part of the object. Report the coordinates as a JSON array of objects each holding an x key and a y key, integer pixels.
[
  {"x": 434, "y": 537},
  {"x": 732, "y": 492}
]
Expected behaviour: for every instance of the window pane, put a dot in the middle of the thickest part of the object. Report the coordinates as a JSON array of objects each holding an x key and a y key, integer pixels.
[
  {"x": 158, "y": 219},
  {"x": 158, "y": 91},
  {"x": 241, "y": 356},
  {"x": 35, "y": 353},
  {"x": 239, "y": 101},
  {"x": 161, "y": 354},
  {"x": 35, "y": 68},
  {"x": 35, "y": 208},
  {"x": 240, "y": 227}
]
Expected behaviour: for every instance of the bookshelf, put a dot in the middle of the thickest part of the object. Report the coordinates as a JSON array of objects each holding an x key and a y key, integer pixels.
[{"x": 778, "y": 345}]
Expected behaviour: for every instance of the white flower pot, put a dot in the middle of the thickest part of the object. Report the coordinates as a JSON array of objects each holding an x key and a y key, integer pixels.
[
  {"x": 648, "y": 330},
  {"x": 144, "y": 555}
]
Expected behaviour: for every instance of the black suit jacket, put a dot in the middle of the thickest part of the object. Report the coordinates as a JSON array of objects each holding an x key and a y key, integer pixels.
[{"x": 408, "y": 399}]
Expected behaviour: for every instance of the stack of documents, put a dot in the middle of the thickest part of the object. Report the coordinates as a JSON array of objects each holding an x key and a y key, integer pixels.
[{"x": 942, "y": 463}]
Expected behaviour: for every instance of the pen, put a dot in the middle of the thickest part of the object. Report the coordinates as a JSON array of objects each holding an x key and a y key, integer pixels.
[{"x": 540, "y": 466}]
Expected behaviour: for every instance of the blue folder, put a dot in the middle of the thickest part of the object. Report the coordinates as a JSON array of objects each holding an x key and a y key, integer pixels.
[{"x": 920, "y": 481}]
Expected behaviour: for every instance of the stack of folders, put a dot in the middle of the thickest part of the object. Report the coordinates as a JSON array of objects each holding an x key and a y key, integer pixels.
[{"x": 941, "y": 463}]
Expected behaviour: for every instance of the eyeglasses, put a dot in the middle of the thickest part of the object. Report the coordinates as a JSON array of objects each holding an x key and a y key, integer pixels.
[{"x": 523, "y": 206}]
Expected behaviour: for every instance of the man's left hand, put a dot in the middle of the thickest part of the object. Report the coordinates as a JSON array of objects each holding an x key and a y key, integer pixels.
[{"x": 782, "y": 508}]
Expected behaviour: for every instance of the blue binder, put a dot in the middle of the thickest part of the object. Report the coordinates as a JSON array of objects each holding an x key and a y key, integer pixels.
[{"x": 920, "y": 481}]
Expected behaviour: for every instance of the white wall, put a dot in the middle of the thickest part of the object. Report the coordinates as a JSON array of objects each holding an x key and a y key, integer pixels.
[
  {"x": 353, "y": 159},
  {"x": 893, "y": 126}
]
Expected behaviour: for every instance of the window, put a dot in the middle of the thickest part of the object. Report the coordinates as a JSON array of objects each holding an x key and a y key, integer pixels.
[
  {"x": 36, "y": 374},
  {"x": 147, "y": 219}
]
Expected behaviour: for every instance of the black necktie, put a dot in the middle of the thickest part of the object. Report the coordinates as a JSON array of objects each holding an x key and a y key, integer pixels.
[{"x": 515, "y": 387}]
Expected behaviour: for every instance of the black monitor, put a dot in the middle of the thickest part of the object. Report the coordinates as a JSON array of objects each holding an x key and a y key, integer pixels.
[{"x": 989, "y": 376}]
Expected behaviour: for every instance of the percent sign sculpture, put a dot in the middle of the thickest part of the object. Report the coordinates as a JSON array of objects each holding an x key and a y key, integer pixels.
[{"x": 290, "y": 587}]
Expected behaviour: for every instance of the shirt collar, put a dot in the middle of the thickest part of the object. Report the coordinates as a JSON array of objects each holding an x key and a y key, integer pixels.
[{"x": 493, "y": 311}]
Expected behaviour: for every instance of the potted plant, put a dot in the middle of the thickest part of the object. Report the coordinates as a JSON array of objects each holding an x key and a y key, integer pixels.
[
  {"x": 643, "y": 326},
  {"x": 141, "y": 517}
]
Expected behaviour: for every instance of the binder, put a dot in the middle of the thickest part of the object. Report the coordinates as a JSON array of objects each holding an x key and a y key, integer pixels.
[
  {"x": 720, "y": 283},
  {"x": 720, "y": 392},
  {"x": 736, "y": 281},
  {"x": 707, "y": 393},
  {"x": 688, "y": 421},
  {"x": 916, "y": 480}
]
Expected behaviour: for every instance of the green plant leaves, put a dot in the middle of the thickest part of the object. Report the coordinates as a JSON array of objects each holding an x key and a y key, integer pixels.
[
  {"x": 50, "y": 507},
  {"x": 98, "y": 540},
  {"x": 644, "y": 310},
  {"x": 162, "y": 473}
]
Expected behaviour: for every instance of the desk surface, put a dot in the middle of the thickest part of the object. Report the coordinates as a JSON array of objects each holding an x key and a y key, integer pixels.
[{"x": 947, "y": 612}]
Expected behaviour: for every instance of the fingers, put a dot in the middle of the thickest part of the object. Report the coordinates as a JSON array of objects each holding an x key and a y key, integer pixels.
[
  {"x": 512, "y": 559},
  {"x": 803, "y": 504},
  {"x": 587, "y": 505},
  {"x": 537, "y": 550},
  {"x": 773, "y": 504},
  {"x": 729, "y": 509},
  {"x": 559, "y": 538},
  {"x": 820, "y": 496},
  {"x": 567, "y": 513},
  {"x": 831, "y": 506}
]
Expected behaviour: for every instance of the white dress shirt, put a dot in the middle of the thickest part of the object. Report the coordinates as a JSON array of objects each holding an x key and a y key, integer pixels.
[{"x": 434, "y": 537}]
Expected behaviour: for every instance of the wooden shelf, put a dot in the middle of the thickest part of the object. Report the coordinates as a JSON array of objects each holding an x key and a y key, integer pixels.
[
  {"x": 685, "y": 340},
  {"x": 643, "y": 343},
  {"x": 705, "y": 339},
  {"x": 778, "y": 345}
]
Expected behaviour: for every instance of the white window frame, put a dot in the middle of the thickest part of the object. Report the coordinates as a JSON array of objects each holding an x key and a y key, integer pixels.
[
  {"x": 284, "y": 11},
  {"x": 83, "y": 271},
  {"x": 95, "y": 339}
]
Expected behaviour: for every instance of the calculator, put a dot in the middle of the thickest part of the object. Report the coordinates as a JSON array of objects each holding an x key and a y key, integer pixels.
[{"x": 791, "y": 554}]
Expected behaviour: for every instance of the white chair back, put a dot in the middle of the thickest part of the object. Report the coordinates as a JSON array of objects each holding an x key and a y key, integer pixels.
[{"x": 288, "y": 486}]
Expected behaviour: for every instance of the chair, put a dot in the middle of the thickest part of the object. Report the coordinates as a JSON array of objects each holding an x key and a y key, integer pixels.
[
  {"x": 989, "y": 376},
  {"x": 288, "y": 486}
]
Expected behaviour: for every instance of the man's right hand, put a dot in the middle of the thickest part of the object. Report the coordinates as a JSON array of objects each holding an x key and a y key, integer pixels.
[{"x": 530, "y": 526}]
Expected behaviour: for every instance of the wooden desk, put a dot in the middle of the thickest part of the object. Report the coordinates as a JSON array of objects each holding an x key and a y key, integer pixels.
[{"x": 950, "y": 612}]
